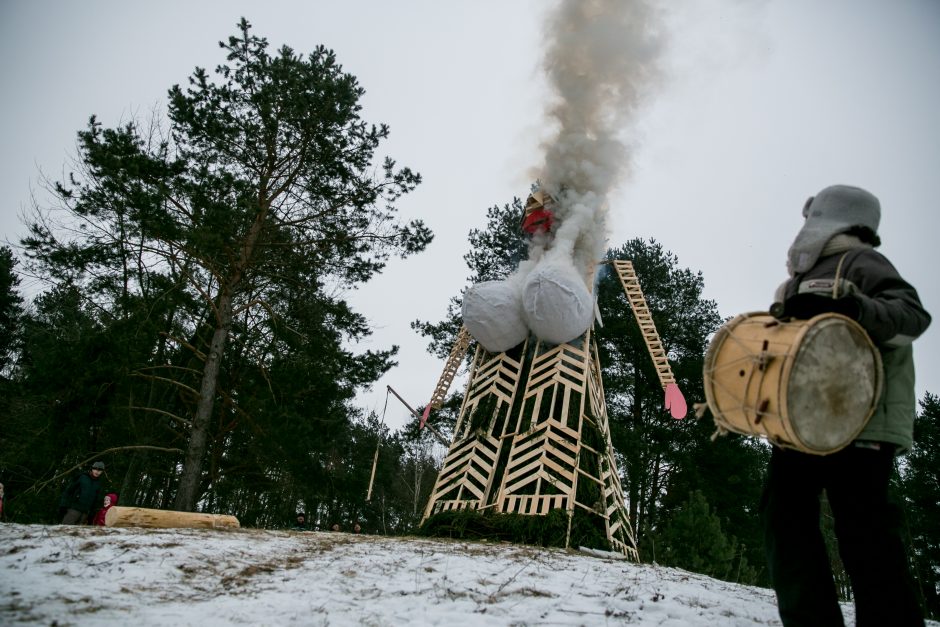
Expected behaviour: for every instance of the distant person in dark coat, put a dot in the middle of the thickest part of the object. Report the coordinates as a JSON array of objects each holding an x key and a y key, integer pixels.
[
  {"x": 301, "y": 524},
  {"x": 110, "y": 500},
  {"x": 82, "y": 496}
]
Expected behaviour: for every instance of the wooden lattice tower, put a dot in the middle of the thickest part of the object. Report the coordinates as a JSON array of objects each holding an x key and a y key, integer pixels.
[{"x": 532, "y": 436}]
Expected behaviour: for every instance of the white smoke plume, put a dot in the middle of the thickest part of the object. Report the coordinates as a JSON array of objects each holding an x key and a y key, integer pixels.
[{"x": 602, "y": 61}]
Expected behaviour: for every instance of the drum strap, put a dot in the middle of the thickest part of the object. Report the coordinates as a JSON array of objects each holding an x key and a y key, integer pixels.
[{"x": 835, "y": 283}]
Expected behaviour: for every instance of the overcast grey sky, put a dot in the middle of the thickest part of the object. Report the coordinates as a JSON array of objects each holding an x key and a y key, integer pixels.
[{"x": 762, "y": 105}]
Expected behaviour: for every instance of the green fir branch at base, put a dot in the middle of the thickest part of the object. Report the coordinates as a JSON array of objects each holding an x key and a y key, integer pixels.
[{"x": 549, "y": 530}]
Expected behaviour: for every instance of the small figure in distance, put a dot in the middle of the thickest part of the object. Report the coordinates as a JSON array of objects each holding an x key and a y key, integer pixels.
[
  {"x": 81, "y": 496},
  {"x": 301, "y": 523},
  {"x": 110, "y": 500}
]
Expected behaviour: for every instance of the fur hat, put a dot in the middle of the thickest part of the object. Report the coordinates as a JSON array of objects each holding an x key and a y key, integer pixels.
[
  {"x": 832, "y": 211},
  {"x": 97, "y": 466}
]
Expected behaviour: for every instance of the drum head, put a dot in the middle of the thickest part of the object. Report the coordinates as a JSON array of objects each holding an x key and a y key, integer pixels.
[{"x": 835, "y": 382}]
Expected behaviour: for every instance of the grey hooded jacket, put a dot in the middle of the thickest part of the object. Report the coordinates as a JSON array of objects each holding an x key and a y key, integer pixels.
[{"x": 892, "y": 314}]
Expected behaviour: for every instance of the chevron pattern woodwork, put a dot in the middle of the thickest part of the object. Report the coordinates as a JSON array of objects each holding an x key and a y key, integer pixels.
[
  {"x": 550, "y": 448},
  {"x": 468, "y": 473}
]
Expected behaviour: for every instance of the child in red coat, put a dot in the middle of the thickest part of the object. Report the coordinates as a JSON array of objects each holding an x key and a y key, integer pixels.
[{"x": 110, "y": 500}]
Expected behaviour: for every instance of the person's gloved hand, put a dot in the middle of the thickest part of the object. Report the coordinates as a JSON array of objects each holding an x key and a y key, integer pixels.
[{"x": 805, "y": 306}]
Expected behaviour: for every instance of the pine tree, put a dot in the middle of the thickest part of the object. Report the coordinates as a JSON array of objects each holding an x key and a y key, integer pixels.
[
  {"x": 729, "y": 471},
  {"x": 652, "y": 447},
  {"x": 694, "y": 540},
  {"x": 11, "y": 310},
  {"x": 11, "y": 321},
  {"x": 228, "y": 237},
  {"x": 920, "y": 485}
]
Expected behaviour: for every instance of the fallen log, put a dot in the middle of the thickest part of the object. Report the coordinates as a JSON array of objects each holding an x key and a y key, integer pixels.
[{"x": 163, "y": 518}]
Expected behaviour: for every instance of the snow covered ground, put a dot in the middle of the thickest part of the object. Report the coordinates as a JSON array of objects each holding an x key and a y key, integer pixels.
[{"x": 64, "y": 575}]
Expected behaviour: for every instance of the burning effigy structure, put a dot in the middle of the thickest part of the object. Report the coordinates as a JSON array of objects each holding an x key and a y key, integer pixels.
[{"x": 532, "y": 436}]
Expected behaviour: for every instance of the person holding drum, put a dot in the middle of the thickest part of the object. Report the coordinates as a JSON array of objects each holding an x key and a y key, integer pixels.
[{"x": 833, "y": 267}]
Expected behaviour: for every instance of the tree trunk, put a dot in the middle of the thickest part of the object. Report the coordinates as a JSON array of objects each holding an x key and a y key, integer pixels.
[
  {"x": 188, "y": 491},
  {"x": 633, "y": 488},
  {"x": 131, "y": 484},
  {"x": 651, "y": 516}
]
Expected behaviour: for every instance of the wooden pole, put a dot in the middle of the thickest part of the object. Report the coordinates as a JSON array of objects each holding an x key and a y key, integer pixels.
[
  {"x": 166, "y": 519},
  {"x": 375, "y": 460},
  {"x": 433, "y": 431}
]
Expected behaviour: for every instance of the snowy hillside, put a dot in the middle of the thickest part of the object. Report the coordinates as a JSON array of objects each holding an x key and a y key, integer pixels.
[{"x": 109, "y": 576}]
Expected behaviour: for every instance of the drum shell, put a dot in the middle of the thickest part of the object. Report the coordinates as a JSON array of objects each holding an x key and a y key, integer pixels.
[{"x": 810, "y": 385}]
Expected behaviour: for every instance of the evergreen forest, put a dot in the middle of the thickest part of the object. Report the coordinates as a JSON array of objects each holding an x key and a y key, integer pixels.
[{"x": 189, "y": 329}]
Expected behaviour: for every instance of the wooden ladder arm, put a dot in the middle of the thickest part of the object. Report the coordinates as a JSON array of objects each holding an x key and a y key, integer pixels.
[
  {"x": 641, "y": 311},
  {"x": 450, "y": 368}
]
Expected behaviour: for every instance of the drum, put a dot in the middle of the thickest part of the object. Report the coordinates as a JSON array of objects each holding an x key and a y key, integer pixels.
[{"x": 809, "y": 385}]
